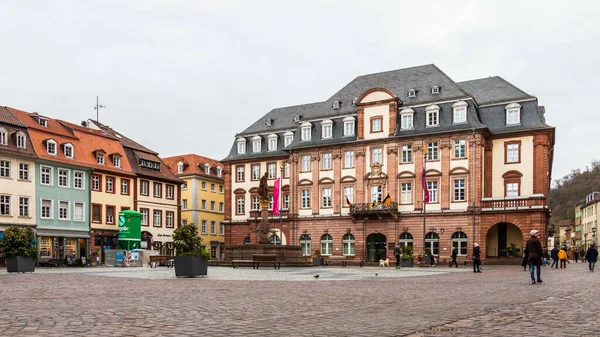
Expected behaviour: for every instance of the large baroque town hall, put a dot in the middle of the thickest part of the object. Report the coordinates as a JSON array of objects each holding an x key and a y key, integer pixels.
[{"x": 484, "y": 145}]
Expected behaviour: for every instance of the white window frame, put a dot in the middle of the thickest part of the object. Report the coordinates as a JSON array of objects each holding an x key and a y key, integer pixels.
[
  {"x": 207, "y": 169},
  {"x": 203, "y": 228},
  {"x": 50, "y": 175},
  {"x": 50, "y": 209},
  {"x": 255, "y": 203},
  {"x": 305, "y": 163},
  {"x": 255, "y": 172},
  {"x": 272, "y": 142},
  {"x": 145, "y": 213},
  {"x": 348, "y": 245},
  {"x": 213, "y": 227},
  {"x": 433, "y": 115},
  {"x": 348, "y": 159},
  {"x": 24, "y": 205},
  {"x": 157, "y": 218},
  {"x": 349, "y": 126},
  {"x": 406, "y": 193},
  {"x": 435, "y": 90},
  {"x": 288, "y": 138},
  {"x": 170, "y": 219},
  {"x": 432, "y": 187},
  {"x": 100, "y": 159},
  {"x": 406, "y": 153},
  {"x": 179, "y": 168},
  {"x": 305, "y": 198},
  {"x": 377, "y": 155},
  {"x": 459, "y": 189},
  {"x": 513, "y": 114},
  {"x": 305, "y": 243},
  {"x": 241, "y": 146},
  {"x": 219, "y": 171},
  {"x": 43, "y": 122},
  {"x": 327, "y": 129},
  {"x": 66, "y": 178},
  {"x": 75, "y": 204},
  {"x": 21, "y": 140},
  {"x": 5, "y": 168},
  {"x": 184, "y": 204},
  {"x": 459, "y": 112},
  {"x": 326, "y": 245},
  {"x": 286, "y": 170},
  {"x": 433, "y": 151},
  {"x": 460, "y": 148},
  {"x": 5, "y": 204},
  {"x": 221, "y": 229},
  {"x": 512, "y": 153},
  {"x": 240, "y": 205},
  {"x": 326, "y": 197},
  {"x": 376, "y": 193},
  {"x": 51, "y": 145},
  {"x": 110, "y": 219},
  {"x": 407, "y": 119},
  {"x": 256, "y": 144},
  {"x": 272, "y": 170},
  {"x": 117, "y": 161},
  {"x": 144, "y": 186},
  {"x": 512, "y": 190},
  {"x": 3, "y": 137},
  {"x": 348, "y": 195},
  {"x": 326, "y": 161},
  {"x": 169, "y": 192},
  {"x": 124, "y": 186},
  {"x": 377, "y": 124},
  {"x": 79, "y": 180},
  {"x": 69, "y": 151},
  {"x": 241, "y": 173},
  {"x": 306, "y": 132}
]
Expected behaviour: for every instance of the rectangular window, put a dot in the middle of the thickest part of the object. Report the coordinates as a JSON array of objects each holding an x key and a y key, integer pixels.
[
  {"x": 286, "y": 201},
  {"x": 222, "y": 229},
  {"x": 256, "y": 145},
  {"x": 96, "y": 213},
  {"x": 23, "y": 206},
  {"x": 406, "y": 121},
  {"x": 4, "y": 168},
  {"x": 406, "y": 193},
  {"x": 255, "y": 172},
  {"x": 460, "y": 146},
  {"x": 287, "y": 140},
  {"x": 512, "y": 116},
  {"x": 96, "y": 182},
  {"x": 63, "y": 210},
  {"x": 110, "y": 215},
  {"x": 51, "y": 148},
  {"x": 306, "y": 133},
  {"x": 144, "y": 184},
  {"x": 117, "y": 161},
  {"x": 170, "y": 189},
  {"x": 305, "y": 198},
  {"x": 272, "y": 144},
  {"x": 272, "y": 169},
  {"x": 157, "y": 190},
  {"x": 110, "y": 185},
  {"x": 78, "y": 211},
  {"x": 4, "y": 204},
  {"x": 512, "y": 153},
  {"x": 432, "y": 118},
  {"x": 203, "y": 228},
  {"x": 170, "y": 219},
  {"x": 203, "y": 204},
  {"x": 213, "y": 206},
  {"x": 459, "y": 190},
  {"x": 100, "y": 158},
  {"x": 68, "y": 151},
  {"x": 184, "y": 204},
  {"x": 432, "y": 187},
  {"x": 270, "y": 207},
  {"x": 203, "y": 185},
  {"x": 376, "y": 124},
  {"x": 376, "y": 193},
  {"x": 348, "y": 196},
  {"x": 255, "y": 203},
  {"x": 3, "y": 138},
  {"x": 23, "y": 171},
  {"x": 221, "y": 207},
  {"x": 241, "y": 174},
  {"x": 433, "y": 151},
  {"x": 305, "y": 163},
  {"x": 286, "y": 170},
  {"x": 460, "y": 115},
  {"x": 124, "y": 186},
  {"x": 212, "y": 187},
  {"x": 512, "y": 190},
  {"x": 407, "y": 153},
  {"x": 157, "y": 218},
  {"x": 220, "y": 188},
  {"x": 377, "y": 156},
  {"x": 326, "y": 161},
  {"x": 46, "y": 211},
  {"x": 144, "y": 212},
  {"x": 78, "y": 180},
  {"x": 327, "y": 130},
  {"x": 348, "y": 159},
  {"x": 46, "y": 175},
  {"x": 241, "y": 147},
  {"x": 63, "y": 178},
  {"x": 240, "y": 206},
  {"x": 349, "y": 128},
  {"x": 213, "y": 228},
  {"x": 326, "y": 194}
]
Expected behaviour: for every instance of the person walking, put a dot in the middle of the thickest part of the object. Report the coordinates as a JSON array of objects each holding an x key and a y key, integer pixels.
[
  {"x": 591, "y": 256},
  {"x": 535, "y": 253},
  {"x": 554, "y": 256},
  {"x": 397, "y": 253},
  {"x": 576, "y": 253},
  {"x": 583, "y": 254},
  {"x": 476, "y": 258},
  {"x": 562, "y": 257},
  {"x": 454, "y": 255},
  {"x": 525, "y": 260}
]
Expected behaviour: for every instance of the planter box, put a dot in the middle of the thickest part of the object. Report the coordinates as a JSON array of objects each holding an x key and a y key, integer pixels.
[
  {"x": 20, "y": 264},
  {"x": 318, "y": 261},
  {"x": 406, "y": 263},
  {"x": 190, "y": 266}
]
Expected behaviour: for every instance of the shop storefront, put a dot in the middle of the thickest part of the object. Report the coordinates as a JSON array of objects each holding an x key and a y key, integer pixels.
[
  {"x": 68, "y": 245},
  {"x": 101, "y": 242}
]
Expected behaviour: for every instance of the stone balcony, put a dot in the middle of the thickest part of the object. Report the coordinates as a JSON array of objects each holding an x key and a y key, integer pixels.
[
  {"x": 370, "y": 210},
  {"x": 534, "y": 201}
]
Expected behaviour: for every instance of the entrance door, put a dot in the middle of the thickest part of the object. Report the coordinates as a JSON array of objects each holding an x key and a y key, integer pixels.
[{"x": 376, "y": 247}]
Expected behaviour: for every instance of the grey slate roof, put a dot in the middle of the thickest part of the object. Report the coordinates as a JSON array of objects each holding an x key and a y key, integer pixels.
[{"x": 399, "y": 82}]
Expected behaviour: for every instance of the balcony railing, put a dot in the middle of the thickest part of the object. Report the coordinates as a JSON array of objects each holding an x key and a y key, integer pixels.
[
  {"x": 524, "y": 202},
  {"x": 370, "y": 208}
]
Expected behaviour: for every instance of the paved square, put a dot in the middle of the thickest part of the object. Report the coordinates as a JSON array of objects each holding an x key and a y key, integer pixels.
[{"x": 351, "y": 301}]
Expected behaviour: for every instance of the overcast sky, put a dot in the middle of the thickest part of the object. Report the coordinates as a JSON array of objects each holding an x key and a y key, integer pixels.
[{"x": 186, "y": 76}]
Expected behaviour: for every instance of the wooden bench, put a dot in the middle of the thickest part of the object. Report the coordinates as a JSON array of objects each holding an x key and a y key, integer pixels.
[
  {"x": 342, "y": 259},
  {"x": 269, "y": 258},
  {"x": 161, "y": 260},
  {"x": 236, "y": 263}
]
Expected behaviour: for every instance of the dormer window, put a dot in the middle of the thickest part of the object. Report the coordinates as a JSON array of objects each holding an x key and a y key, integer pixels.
[
  {"x": 21, "y": 140},
  {"x": 513, "y": 114},
  {"x": 288, "y": 138},
  {"x": 335, "y": 105},
  {"x": 349, "y": 123},
  {"x": 435, "y": 90},
  {"x": 241, "y": 145},
  {"x": 180, "y": 168},
  {"x": 412, "y": 93},
  {"x": 116, "y": 161},
  {"x": 256, "y": 144},
  {"x": 3, "y": 137},
  {"x": 100, "y": 158},
  {"x": 272, "y": 142},
  {"x": 68, "y": 149},
  {"x": 207, "y": 169},
  {"x": 459, "y": 112},
  {"x": 219, "y": 172},
  {"x": 354, "y": 100},
  {"x": 51, "y": 147},
  {"x": 297, "y": 118},
  {"x": 327, "y": 129},
  {"x": 406, "y": 119},
  {"x": 432, "y": 113},
  {"x": 268, "y": 122},
  {"x": 306, "y": 132},
  {"x": 43, "y": 121}
]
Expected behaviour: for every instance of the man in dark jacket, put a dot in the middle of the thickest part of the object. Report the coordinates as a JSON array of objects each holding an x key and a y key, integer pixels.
[
  {"x": 535, "y": 253},
  {"x": 554, "y": 256},
  {"x": 454, "y": 255},
  {"x": 591, "y": 256}
]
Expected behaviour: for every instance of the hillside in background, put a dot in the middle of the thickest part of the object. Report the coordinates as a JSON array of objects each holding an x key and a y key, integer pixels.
[{"x": 572, "y": 189}]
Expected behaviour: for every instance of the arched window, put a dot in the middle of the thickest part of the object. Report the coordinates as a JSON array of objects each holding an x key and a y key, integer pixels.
[
  {"x": 432, "y": 242},
  {"x": 348, "y": 244},
  {"x": 459, "y": 241},
  {"x": 305, "y": 244},
  {"x": 326, "y": 244},
  {"x": 247, "y": 240},
  {"x": 406, "y": 240},
  {"x": 275, "y": 239}
]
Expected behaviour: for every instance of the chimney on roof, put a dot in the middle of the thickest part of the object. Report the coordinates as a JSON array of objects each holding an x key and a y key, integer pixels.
[{"x": 84, "y": 123}]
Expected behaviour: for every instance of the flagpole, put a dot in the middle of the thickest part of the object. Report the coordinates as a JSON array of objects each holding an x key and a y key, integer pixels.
[
  {"x": 281, "y": 166},
  {"x": 424, "y": 202}
]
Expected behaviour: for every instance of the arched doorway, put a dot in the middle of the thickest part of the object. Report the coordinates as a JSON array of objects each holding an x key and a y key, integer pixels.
[
  {"x": 503, "y": 235},
  {"x": 376, "y": 247}
]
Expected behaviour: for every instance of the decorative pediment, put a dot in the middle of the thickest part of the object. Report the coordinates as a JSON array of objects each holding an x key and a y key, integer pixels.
[
  {"x": 253, "y": 190},
  {"x": 405, "y": 174},
  {"x": 348, "y": 179},
  {"x": 459, "y": 170},
  {"x": 239, "y": 191},
  {"x": 285, "y": 188},
  {"x": 512, "y": 174},
  {"x": 305, "y": 182},
  {"x": 376, "y": 172},
  {"x": 326, "y": 181},
  {"x": 433, "y": 173}
]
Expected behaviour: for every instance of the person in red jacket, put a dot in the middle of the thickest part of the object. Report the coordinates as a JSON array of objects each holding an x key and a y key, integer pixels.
[{"x": 534, "y": 253}]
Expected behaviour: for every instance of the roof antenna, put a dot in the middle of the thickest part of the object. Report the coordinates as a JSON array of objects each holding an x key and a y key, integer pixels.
[{"x": 97, "y": 107}]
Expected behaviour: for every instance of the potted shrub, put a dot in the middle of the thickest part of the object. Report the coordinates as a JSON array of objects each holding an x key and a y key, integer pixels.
[
  {"x": 317, "y": 259},
  {"x": 406, "y": 260},
  {"x": 19, "y": 246},
  {"x": 191, "y": 259},
  {"x": 512, "y": 250}
]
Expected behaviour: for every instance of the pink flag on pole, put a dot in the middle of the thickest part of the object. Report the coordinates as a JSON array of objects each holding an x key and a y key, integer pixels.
[
  {"x": 425, "y": 189},
  {"x": 276, "y": 188}
]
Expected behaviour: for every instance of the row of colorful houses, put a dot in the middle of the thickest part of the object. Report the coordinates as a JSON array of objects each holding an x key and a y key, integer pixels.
[{"x": 70, "y": 181}]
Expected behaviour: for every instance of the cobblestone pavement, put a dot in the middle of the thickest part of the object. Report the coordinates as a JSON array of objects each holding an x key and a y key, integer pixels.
[{"x": 349, "y": 301}]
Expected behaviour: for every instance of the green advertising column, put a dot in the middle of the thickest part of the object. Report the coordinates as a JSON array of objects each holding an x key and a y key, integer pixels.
[{"x": 130, "y": 229}]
